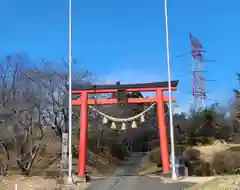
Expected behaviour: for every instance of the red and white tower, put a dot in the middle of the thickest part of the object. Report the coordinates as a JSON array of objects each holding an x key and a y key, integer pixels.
[{"x": 198, "y": 80}]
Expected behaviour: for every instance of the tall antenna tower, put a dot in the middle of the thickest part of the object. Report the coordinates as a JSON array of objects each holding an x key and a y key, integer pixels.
[{"x": 198, "y": 80}]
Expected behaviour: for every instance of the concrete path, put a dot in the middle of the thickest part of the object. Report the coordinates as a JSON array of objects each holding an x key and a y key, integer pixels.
[{"x": 125, "y": 178}]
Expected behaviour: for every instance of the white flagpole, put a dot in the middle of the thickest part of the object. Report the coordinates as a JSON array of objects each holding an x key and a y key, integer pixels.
[
  {"x": 70, "y": 180},
  {"x": 174, "y": 175}
]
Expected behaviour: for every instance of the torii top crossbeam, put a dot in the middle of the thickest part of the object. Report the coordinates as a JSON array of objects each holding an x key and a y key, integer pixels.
[
  {"x": 141, "y": 87},
  {"x": 144, "y": 87}
]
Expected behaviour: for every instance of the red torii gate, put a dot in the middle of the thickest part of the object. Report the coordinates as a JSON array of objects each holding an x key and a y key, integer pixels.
[{"x": 83, "y": 102}]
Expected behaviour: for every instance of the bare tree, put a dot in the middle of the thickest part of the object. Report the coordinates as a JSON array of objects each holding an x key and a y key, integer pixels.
[
  {"x": 14, "y": 109},
  {"x": 30, "y": 98}
]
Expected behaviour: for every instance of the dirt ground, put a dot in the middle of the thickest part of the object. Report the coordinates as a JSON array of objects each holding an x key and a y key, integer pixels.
[
  {"x": 97, "y": 165},
  {"x": 24, "y": 183},
  {"x": 38, "y": 183}
]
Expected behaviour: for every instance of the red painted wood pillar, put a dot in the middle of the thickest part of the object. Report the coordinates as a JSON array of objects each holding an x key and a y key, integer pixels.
[
  {"x": 162, "y": 131},
  {"x": 83, "y": 135}
]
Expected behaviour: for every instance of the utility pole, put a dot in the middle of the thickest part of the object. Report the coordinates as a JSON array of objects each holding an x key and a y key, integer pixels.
[
  {"x": 174, "y": 175},
  {"x": 70, "y": 180}
]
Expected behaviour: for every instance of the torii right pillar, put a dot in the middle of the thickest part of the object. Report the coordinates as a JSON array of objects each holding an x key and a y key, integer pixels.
[{"x": 162, "y": 130}]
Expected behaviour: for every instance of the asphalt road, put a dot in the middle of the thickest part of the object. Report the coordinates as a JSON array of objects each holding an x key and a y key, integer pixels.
[
  {"x": 135, "y": 183},
  {"x": 125, "y": 178}
]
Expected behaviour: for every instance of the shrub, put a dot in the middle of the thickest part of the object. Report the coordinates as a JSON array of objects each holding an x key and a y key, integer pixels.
[
  {"x": 199, "y": 168},
  {"x": 235, "y": 149},
  {"x": 227, "y": 162},
  {"x": 118, "y": 151},
  {"x": 207, "y": 140},
  {"x": 191, "y": 154},
  {"x": 155, "y": 157},
  {"x": 196, "y": 165},
  {"x": 92, "y": 143},
  {"x": 74, "y": 152}
]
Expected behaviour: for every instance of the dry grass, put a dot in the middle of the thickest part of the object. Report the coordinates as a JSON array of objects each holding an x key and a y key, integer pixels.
[
  {"x": 152, "y": 162},
  {"x": 43, "y": 175},
  {"x": 208, "y": 151},
  {"x": 219, "y": 158},
  {"x": 220, "y": 182},
  {"x": 146, "y": 166},
  {"x": 224, "y": 154},
  {"x": 203, "y": 160},
  {"x": 48, "y": 160}
]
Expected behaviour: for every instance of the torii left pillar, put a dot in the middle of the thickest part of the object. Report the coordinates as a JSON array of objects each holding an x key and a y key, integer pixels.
[{"x": 82, "y": 153}]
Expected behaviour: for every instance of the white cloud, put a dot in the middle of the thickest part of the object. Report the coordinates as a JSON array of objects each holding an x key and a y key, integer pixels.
[
  {"x": 129, "y": 76},
  {"x": 132, "y": 76},
  {"x": 181, "y": 109}
]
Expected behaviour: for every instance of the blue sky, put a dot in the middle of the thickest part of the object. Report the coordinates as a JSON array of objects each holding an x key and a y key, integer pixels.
[{"x": 125, "y": 40}]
